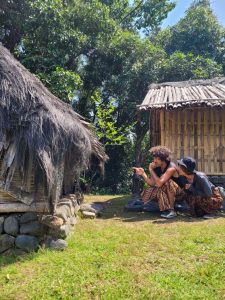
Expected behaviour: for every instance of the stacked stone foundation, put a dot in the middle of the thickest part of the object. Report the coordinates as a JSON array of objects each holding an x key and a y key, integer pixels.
[
  {"x": 25, "y": 232},
  {"x": 218, "y": 180}
]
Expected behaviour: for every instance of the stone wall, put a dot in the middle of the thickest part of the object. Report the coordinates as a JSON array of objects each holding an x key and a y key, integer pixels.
[
  {"x": 24, "y": 232},
  {"x": 218, "y": 180}
]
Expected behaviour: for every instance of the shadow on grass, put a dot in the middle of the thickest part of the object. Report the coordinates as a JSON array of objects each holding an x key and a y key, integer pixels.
[
  {"x": 6, "y": 260},
  {"x": 114, "y": 209}
]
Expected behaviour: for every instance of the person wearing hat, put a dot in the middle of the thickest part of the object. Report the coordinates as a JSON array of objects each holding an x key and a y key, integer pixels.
[
  {"x": 162, "y": 185},
  {"x": 202, "y": 196}
]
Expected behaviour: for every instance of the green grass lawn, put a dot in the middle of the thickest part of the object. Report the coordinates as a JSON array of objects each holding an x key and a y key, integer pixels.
[{"x": 125, "y": 256}]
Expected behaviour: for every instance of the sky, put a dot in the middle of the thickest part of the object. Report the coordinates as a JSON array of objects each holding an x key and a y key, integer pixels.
[{"x": 178, "y": 12}]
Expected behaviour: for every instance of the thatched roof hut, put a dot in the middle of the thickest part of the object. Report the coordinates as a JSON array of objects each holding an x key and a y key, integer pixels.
[
  {"x": 189, "y": 118},
  {"x": 44, "y": 144}
]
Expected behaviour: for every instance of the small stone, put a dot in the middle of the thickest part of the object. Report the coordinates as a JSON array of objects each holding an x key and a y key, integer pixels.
[
  {"x": 11, "y": 225},
  {"x": 88, "y": 214},
  {"x": 64, "y": 231},
  {"x": 72, "y": 197},
  {"x": 27, "y": 243},
  {"x": 73, "y": 221},
  {"x": 33, "y": 228},
  {"x": 52, "y": 221},
  {"x": 61, "y": 232},
  {"x": 87, "y": 208},
  {"x": 14, "y": 252},
  {"x": 6, "y": 242},
  {"x": 28, "y": 217},
  {"x": 1, "y": 224},
  {"x": 55, "y": 244},
  {"x": 71, "y": 203},
  {"x": 63, "y": 212}
]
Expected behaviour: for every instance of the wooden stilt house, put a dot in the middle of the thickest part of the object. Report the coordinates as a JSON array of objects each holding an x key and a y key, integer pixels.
[
  {"x": 44, "y": 144},
  {"x": 189, "y": 118}
]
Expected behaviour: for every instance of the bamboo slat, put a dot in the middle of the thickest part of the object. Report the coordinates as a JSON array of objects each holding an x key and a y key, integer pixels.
[
  {"x": 216, "y": 92},
  {"x": 205, "y": 140},
  {"x": 210, "y": 145},
  {"x": 199, "y": 133},
  {"x": 162, "y": 128},
  {"x": 220, "y": 130},
  {"x": 178, "y": 135},
  {"x": 186, "y": 134},
  {"x": 174, "y": 132},
  {"x": 223, "y": 141}
]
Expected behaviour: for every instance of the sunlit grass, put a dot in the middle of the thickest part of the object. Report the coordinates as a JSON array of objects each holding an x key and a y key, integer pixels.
[{"x": 125, "y": 256}]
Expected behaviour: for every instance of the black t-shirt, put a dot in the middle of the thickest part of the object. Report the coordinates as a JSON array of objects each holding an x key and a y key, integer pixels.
[{"x": 180, "y": 180}]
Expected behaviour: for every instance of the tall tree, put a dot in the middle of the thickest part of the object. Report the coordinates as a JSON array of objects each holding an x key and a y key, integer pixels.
[{"x": 198, "y": 32}]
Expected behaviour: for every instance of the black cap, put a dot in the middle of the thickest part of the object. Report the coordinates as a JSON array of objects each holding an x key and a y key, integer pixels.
[{"x": 188, "y": 162}]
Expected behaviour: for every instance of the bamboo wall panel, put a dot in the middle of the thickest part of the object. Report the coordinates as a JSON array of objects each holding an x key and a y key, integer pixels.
[
  {"x": 199, "y": 133},
  {"x": 155, "y": 127},
  {"x": 17, "y": 181}
]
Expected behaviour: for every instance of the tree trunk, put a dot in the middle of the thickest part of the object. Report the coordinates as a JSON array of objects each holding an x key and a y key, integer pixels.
[{"x": 141, "y": 131}]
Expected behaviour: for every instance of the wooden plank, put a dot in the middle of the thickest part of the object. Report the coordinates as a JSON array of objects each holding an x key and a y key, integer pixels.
[
  {"x": 167, "y": 138},
  {"x": 174, "y": 134},
  {"x": 216, "y": 91},
  {"x": 201, "y": 92},
  {"x": 182, "y": 133},
  {"x": 212, "y": 143},
  {"x": 170, "y": 144},
  {"x": 147, "y": 99},
  {"x": 188, "y": 132},
  {"x": 183, "y": 96},
  {"x": 178, "y": 94},
  {"x": 165, "y": 100},
  {"x": 162, "y": 123},
  {"x": 223, "y": 139},
  {"x": 216, "y": 138},
  {"x": 201, "y": 134},
  {"x": 179, "y": 155},
  {"x": 199, "y": 158},
  {"x": 20, "y": 207},
  {"x": 192, "y": 141},
  {"x": 174, "y": 94},
  {"x": 170, "y": 95},
  {"x": 158, "y": 126},
  {"x": 195, "y": 135},
  {"x": 205, "y": 141},
  {"x": 220, "y": 130},
  {"x": 193, "y": 93},
  {"x": 185, "y": 133}
]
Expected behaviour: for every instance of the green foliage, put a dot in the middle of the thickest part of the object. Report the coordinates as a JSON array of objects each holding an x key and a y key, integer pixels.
[
  {"x": 62, "y": 83},
  {"x": 198, "y": 32},
  {"x": 12, "y": 16},
  {"x": 105, "y": 119},
  {"x": 118, "y": 170},
  {"x": 150, "y": 13},
  {"x": 180, "y": 66}
]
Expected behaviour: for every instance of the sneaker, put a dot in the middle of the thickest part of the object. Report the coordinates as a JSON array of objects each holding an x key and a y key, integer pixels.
[
  {"x": 209, "y": 216},
  {"x": 165, "y": 212},
  {"x": 169, "y": 214}
]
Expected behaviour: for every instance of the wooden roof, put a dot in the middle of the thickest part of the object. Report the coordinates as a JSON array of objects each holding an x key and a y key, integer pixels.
[{"x": 192, "y": 93}]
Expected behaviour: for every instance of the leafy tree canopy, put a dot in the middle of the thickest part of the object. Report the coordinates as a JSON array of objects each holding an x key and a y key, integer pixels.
[{"x": 199, "y": 32}]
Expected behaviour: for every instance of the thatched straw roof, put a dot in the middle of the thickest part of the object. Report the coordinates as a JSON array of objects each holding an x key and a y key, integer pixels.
[
  {"x": 35, "y": 125},
  {"x": 192, "y": 93}
]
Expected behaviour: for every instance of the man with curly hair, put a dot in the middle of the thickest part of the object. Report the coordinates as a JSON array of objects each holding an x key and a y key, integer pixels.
[{"x": 163, "y": 183}]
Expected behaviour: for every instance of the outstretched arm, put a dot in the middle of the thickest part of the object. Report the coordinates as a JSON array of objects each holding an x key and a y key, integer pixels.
[{"x": 141, "y": 172}]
